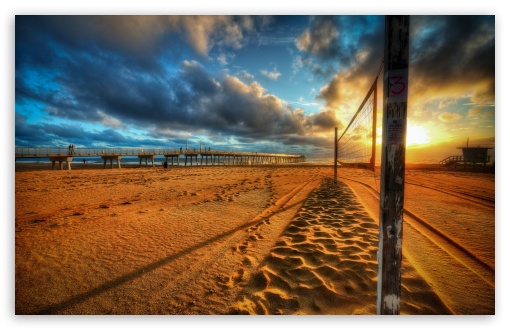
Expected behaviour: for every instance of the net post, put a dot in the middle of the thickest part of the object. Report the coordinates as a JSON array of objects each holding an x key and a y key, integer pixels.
[
  {"x": 374, "y": 124},
  {"x": 396, "y": 57},
  {"x": 336, "y": 156}
]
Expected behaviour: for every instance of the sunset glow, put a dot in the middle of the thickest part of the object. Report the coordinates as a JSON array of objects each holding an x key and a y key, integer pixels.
[{"x": 417, "y": 135}]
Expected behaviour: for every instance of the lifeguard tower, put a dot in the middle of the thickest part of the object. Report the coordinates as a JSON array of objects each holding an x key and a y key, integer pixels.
[
  {"x": 476, "y": 155},
  {"x": 471, "y": 156}
]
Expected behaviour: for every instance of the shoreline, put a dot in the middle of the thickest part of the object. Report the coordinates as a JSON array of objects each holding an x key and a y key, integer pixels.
[{"x": 37, "y": 166}]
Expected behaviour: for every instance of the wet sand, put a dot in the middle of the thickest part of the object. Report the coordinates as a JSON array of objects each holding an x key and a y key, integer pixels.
[{"x": 232, "y": 240}]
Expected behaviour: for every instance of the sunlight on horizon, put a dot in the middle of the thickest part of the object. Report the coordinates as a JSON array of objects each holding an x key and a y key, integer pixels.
[{"x": 417, "y": 135}]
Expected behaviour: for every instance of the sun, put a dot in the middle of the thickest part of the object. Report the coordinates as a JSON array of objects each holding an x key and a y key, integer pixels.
[{"x": 416, "y": 135}]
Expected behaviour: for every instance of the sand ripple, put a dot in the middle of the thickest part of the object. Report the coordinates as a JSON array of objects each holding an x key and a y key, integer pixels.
[{"x": 324, "y": 262}]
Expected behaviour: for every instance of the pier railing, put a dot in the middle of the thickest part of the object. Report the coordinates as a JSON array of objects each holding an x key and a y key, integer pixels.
[
  {"x": 30, "y": 152},
  {"x": 27, "y": 152}
]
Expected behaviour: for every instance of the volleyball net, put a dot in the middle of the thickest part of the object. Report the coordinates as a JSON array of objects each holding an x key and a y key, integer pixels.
[{"x": 356, "y": 145}]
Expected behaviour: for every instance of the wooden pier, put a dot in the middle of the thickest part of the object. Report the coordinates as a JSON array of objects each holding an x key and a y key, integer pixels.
[{"x": 212, "y": 158}]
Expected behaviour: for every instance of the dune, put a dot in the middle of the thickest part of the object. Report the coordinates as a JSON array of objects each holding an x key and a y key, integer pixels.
[{"x": 242, "y": 240}]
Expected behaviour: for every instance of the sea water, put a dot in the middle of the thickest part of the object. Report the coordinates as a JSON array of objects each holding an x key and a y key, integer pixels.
[{"x": 158, "y": 160}]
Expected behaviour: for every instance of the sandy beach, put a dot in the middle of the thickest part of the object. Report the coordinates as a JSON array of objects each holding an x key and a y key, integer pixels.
[{"x": 245, "y": 240}]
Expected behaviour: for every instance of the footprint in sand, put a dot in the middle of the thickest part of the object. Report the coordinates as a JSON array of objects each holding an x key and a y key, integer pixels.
[
  {"x": 236, "y": 277},
  {"x": 241, "y": 248},
  {"x": 249, "y": 261},
  {"x": 232, "y": 280},
  {"x": 255, "y": 237}
]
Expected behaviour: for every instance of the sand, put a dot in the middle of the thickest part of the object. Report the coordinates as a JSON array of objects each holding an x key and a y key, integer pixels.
[{"x": 245, "y": 240}]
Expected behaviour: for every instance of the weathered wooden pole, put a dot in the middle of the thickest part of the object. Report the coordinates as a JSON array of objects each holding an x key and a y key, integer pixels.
[
  {"x": 336, "y": 155},
  {"x": 396, "y": 57}
]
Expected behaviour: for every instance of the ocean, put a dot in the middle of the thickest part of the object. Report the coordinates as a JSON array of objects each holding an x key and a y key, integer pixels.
[{"x": 158, "y": 160}]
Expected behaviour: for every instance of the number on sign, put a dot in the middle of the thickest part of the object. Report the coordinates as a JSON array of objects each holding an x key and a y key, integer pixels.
[{"x": 398, "y": 85}]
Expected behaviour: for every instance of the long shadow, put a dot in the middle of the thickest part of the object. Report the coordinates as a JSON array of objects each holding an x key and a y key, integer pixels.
[{"x": 54, "y": 309}]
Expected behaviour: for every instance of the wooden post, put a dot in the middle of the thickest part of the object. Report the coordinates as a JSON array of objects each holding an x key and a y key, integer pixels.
[
  {"x": 396, "y": 57},
  {"x": 374, "y": 125},
  {"x": 336, "y": 154}
]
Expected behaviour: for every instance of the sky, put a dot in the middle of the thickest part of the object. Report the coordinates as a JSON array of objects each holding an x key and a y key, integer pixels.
[{"x": 266, "y": 83}]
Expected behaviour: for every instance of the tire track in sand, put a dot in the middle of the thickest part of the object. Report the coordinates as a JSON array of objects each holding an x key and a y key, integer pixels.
[{"x": 455, "y": 256}]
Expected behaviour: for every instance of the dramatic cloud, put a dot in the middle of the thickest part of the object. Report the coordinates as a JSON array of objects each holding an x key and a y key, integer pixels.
[
  {"x": 356, "y": 55},
  {"x": 192, "y": 100},
  {"x": 321, "y": 39},
  {"x": 326, "y": 120},
  {"x": 27, "y": 134},
  {"x": 139, "y": 39},
  {"x": 248, "y": 110},
  {"x": 335, "y": 43},
  {"x": 453, "y": 56},
  {"x": 345, "y": 92}
]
